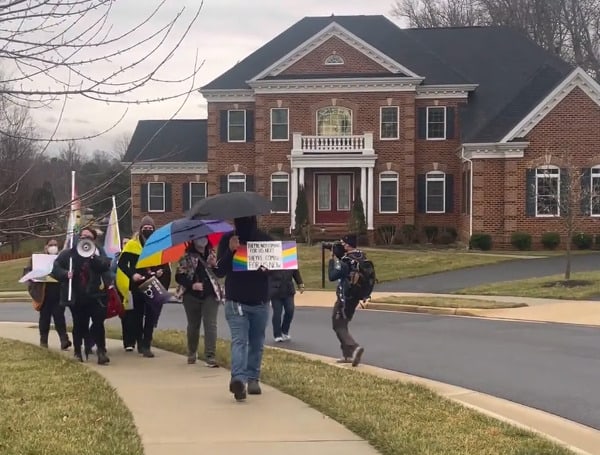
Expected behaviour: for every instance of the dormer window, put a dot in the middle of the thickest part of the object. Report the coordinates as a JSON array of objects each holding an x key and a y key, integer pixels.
[{"x": 334, "y": 59}]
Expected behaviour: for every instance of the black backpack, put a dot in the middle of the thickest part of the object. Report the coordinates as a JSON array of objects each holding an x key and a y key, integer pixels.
[{"x": 362, "y": 279}]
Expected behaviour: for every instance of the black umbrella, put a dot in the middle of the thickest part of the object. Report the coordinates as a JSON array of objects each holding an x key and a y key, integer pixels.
[{"x": 228, "y": 206}]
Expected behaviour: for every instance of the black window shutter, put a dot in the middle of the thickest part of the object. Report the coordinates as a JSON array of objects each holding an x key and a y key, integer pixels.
[
  {"x": 223, "y": 184},
  {"x": 421, "y": 193},
  {"x": 449, "y": 193},
  {"x": 530, "y": 192},
  {"x": 168, "y": 198},
  {"x": 223, "y": 126},
  {"x": 450, "y": 120},
  {"x": 249, "y": 183},
  {"x": 185, "y": 196},
  {"x": 565, "y": 186},
  {"x": 422, "y": 123},
  {"x": 586, "y": 190},
  {"x": 144, "y": 197},
  {"x": 249, "y": 126}
]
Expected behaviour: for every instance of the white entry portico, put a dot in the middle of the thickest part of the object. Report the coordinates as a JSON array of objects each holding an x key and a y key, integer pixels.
[{"x": 333, "y": 152}]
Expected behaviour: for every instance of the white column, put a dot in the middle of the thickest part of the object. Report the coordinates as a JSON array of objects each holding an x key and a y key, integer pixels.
[
  {"x": 293, "y": 198},
  {"x": 301, "y": 179},
  {"x": 363, "y": 186},
  {"x": 370, "y": 202}
]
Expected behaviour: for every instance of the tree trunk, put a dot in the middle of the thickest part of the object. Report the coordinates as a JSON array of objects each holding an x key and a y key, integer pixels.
[{"x": 568, "y": 267}]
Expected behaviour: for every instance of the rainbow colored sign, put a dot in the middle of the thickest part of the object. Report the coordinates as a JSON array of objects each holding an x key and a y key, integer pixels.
[{"x": 267, "y": 255}]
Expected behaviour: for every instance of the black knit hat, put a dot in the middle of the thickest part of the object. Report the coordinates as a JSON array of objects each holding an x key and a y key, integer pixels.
[{"x": 350, "y": 239}]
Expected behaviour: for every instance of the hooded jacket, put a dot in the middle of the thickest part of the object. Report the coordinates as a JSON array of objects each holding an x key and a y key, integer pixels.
[{"x": 281, "y": 283}]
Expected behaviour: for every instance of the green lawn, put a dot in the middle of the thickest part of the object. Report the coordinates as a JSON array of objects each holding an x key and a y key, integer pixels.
[
  {"x": 553, "y": 287},
  {"x": 395, "y": 417},
  {"x": 52, "y": 405},
  {"x": 443, "y": 302},
  {"x": 10, "y": 273}
]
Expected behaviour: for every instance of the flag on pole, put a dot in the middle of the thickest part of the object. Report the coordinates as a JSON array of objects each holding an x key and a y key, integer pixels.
[
  {"x": 112, "y": 238},
  {"x": 74, "y": 225}
]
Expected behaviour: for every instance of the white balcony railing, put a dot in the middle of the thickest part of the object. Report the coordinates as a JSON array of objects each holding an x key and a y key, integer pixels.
[{"x": 359, "y": 144}]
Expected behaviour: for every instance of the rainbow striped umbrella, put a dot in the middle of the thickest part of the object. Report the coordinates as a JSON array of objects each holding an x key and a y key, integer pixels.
[{"x": 167, "y": 244}]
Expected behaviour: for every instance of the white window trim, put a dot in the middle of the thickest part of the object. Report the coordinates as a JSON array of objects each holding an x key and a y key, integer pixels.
[
  {"x": 329, "y": 62},
  {"x": 389, "y": 176},
  {"x": 381, "y": 108},
  {"x": 337, "y": 107},
  {"x": 190, "y": 185},
  {"x": 287, "y": 135},
  {"x": 435, "y": 176},
  {"x": 164, "y": 196},
  {"x": 592, "y": 169},
  {"x": 228, "y": 125},
  {"x": 329, "y": 207},
  {"x": 236, "y": 177},
  {"x": 549, "y": 166},
  {"x": 281, "y": 176},
  {"x": 427, "y": 124}
]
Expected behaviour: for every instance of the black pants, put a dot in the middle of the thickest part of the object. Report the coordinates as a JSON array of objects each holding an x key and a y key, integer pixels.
[
  {"x": 129, "y": 329},
  {"x": 84, "y": 311},
  {"x": 342, "y": 315},
  {"x": 143, "y": 321},
  {"x": 285, "y": 306},
  {"x": 52, "y": 310}
]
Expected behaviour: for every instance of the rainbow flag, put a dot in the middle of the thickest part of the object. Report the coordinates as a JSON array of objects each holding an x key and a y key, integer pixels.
[
  {"x": 286, "y": 252},
  {"x": 112, "y": 238}
]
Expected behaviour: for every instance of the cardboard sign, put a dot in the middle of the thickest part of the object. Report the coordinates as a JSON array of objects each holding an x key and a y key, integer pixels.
[{"x": 266, "y": 255}]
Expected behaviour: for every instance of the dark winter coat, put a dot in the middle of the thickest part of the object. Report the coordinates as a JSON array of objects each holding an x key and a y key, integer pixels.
[{"x": 281, "y": 283}]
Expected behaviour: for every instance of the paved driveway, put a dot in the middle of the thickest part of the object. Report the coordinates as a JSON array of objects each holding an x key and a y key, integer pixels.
[{"x": 518, "y": 269}]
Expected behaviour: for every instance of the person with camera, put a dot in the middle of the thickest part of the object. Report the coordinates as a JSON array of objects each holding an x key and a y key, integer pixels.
[
  {"x": 282, "y": 291},
  {"x": 141, "y": 321},
  {"x": 201, "y": 295},
  {"x": 344, "y": 260},
  {"x": 89, "y": 278}
]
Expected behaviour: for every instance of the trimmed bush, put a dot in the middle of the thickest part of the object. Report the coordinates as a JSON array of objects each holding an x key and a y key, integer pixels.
[
  {"x": 278, "y": 233},
  {"x": 521, "y": 240},
  {"x": 550, "y": 240},
  {"x": 481, "y": 242},
  {"x": 386, "y": 234},
  {"x": 431, "y": 233},
  {"x": 408, "y": 233},
  {"x": 597, "y": 240},
  {"x": 583, "y": 241}
]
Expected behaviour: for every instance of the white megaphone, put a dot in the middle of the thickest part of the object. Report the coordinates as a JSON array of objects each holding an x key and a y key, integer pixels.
[{"x": 86, "y": 248}]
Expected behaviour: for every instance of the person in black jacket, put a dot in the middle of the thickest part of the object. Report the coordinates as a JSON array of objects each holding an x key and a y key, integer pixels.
[
  {"x": 143, "y": 319},
  {"x": 90, "y": 279},
  {"x": 246, "y": 308},
  {"x": 201, "y": 297},
  {"x": 282, "y": 291}
]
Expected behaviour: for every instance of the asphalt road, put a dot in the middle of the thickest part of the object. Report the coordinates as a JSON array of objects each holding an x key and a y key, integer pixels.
[
  {"x": 553, "y": 367},
  {"x": 447, "y": 282}
]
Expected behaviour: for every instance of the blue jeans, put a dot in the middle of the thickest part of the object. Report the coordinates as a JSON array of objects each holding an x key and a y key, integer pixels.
[
  {"x": 285, "y": 305},
  {"x": 247, "y": 338}
]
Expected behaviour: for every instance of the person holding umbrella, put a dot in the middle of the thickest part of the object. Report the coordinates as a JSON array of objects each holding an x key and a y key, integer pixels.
[{"x": 246, "y": 293}]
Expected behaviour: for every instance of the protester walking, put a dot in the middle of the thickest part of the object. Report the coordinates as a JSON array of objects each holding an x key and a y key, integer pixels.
[
  {"x": 282, "y": 292},
  {"x": 344, "y": 259},
  {"x": 139, "y": 324},
  {"x": 201, "y": 294},
  {"x": 246, "y": 308},
  {"x": 46, "y": 296},
  {"x": 90, "y": 278}
]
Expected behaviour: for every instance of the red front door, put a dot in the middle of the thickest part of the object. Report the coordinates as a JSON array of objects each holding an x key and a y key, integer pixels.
[{"x": 333, "y": 198}]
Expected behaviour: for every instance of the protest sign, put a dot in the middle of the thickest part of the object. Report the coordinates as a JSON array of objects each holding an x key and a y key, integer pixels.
[{"x": 275, "y": 255}]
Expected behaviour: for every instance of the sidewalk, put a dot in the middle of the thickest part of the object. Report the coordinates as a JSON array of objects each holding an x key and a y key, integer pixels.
[{"x": 187, "y": 409}]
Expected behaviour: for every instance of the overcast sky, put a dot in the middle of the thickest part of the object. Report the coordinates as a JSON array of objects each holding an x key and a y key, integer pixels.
[{"x": 225, "y": 32}]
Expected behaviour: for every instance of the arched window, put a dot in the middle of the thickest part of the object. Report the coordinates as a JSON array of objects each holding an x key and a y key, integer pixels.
[
  {"x": 334, "y": 121},
  {"x": 547, "y": 191},
  {"x": 334, "y": 59},
  {"x": 435, "y": 192},
  {"x": 280, "y": 192},
  {"x": 388, "y": 192}
]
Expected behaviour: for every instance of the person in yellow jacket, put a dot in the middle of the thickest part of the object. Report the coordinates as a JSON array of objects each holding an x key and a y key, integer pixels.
[{"x": 139, "y": 319}]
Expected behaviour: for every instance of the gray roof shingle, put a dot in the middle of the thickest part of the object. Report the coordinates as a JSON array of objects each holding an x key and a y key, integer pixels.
[{"x": 169, "y": 141}]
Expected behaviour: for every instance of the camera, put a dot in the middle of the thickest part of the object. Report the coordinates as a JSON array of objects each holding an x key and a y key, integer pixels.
[
  {"x": 337, "y": 248},
  {"x": 330, "y": 245}
]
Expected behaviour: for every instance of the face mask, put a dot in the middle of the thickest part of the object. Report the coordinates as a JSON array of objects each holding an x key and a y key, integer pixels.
[
  {"x": 201, "y": 243},
  {"x": 146, "y": 233},
  {"x": 53, "y": 249}
]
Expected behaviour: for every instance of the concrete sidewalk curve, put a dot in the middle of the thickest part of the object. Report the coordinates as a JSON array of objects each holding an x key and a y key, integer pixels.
[{"x": 187, "y": 409}]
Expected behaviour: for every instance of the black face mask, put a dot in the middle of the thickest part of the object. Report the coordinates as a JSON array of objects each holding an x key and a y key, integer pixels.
[{"x": 146, "y": 233}]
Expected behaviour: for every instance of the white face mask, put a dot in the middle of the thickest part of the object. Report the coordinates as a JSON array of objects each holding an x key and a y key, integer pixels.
[{"x": 53, "y": 249}]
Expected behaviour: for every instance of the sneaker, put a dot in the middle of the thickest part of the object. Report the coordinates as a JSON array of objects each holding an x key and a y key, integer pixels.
[
  {"x": 211, "y": 363},
  {"x": 344, "y": 360},
  {"x": 128, "y": 348},
  {"x": 286, "y": 337},
  {"x": 148, "y": 353},
  {"x": 357, "y": 355},
  {"x": 102, "y": 357},
  {"x": 238, "y": 389},
  {"x": 191, "y": 359},
  {"x": 278, "y": 339},
  {"x": 44, "y": 344},
  {"x": 254, "y": 387},
  {"x": 65, "y": 345}
]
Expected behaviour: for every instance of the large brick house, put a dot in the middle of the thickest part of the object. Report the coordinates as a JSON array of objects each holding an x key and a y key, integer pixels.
[{"x": 453, "y": 127}]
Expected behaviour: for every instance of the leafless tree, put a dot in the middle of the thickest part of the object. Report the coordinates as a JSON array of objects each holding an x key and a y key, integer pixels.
[
  {"x": 568, "y": 28},
  {"x": 120, "y": 145},
  {"x": 70, "y": 155}
]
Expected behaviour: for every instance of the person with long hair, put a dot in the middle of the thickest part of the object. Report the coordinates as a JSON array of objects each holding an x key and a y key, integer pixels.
[{"x": 201, "y": 295}]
